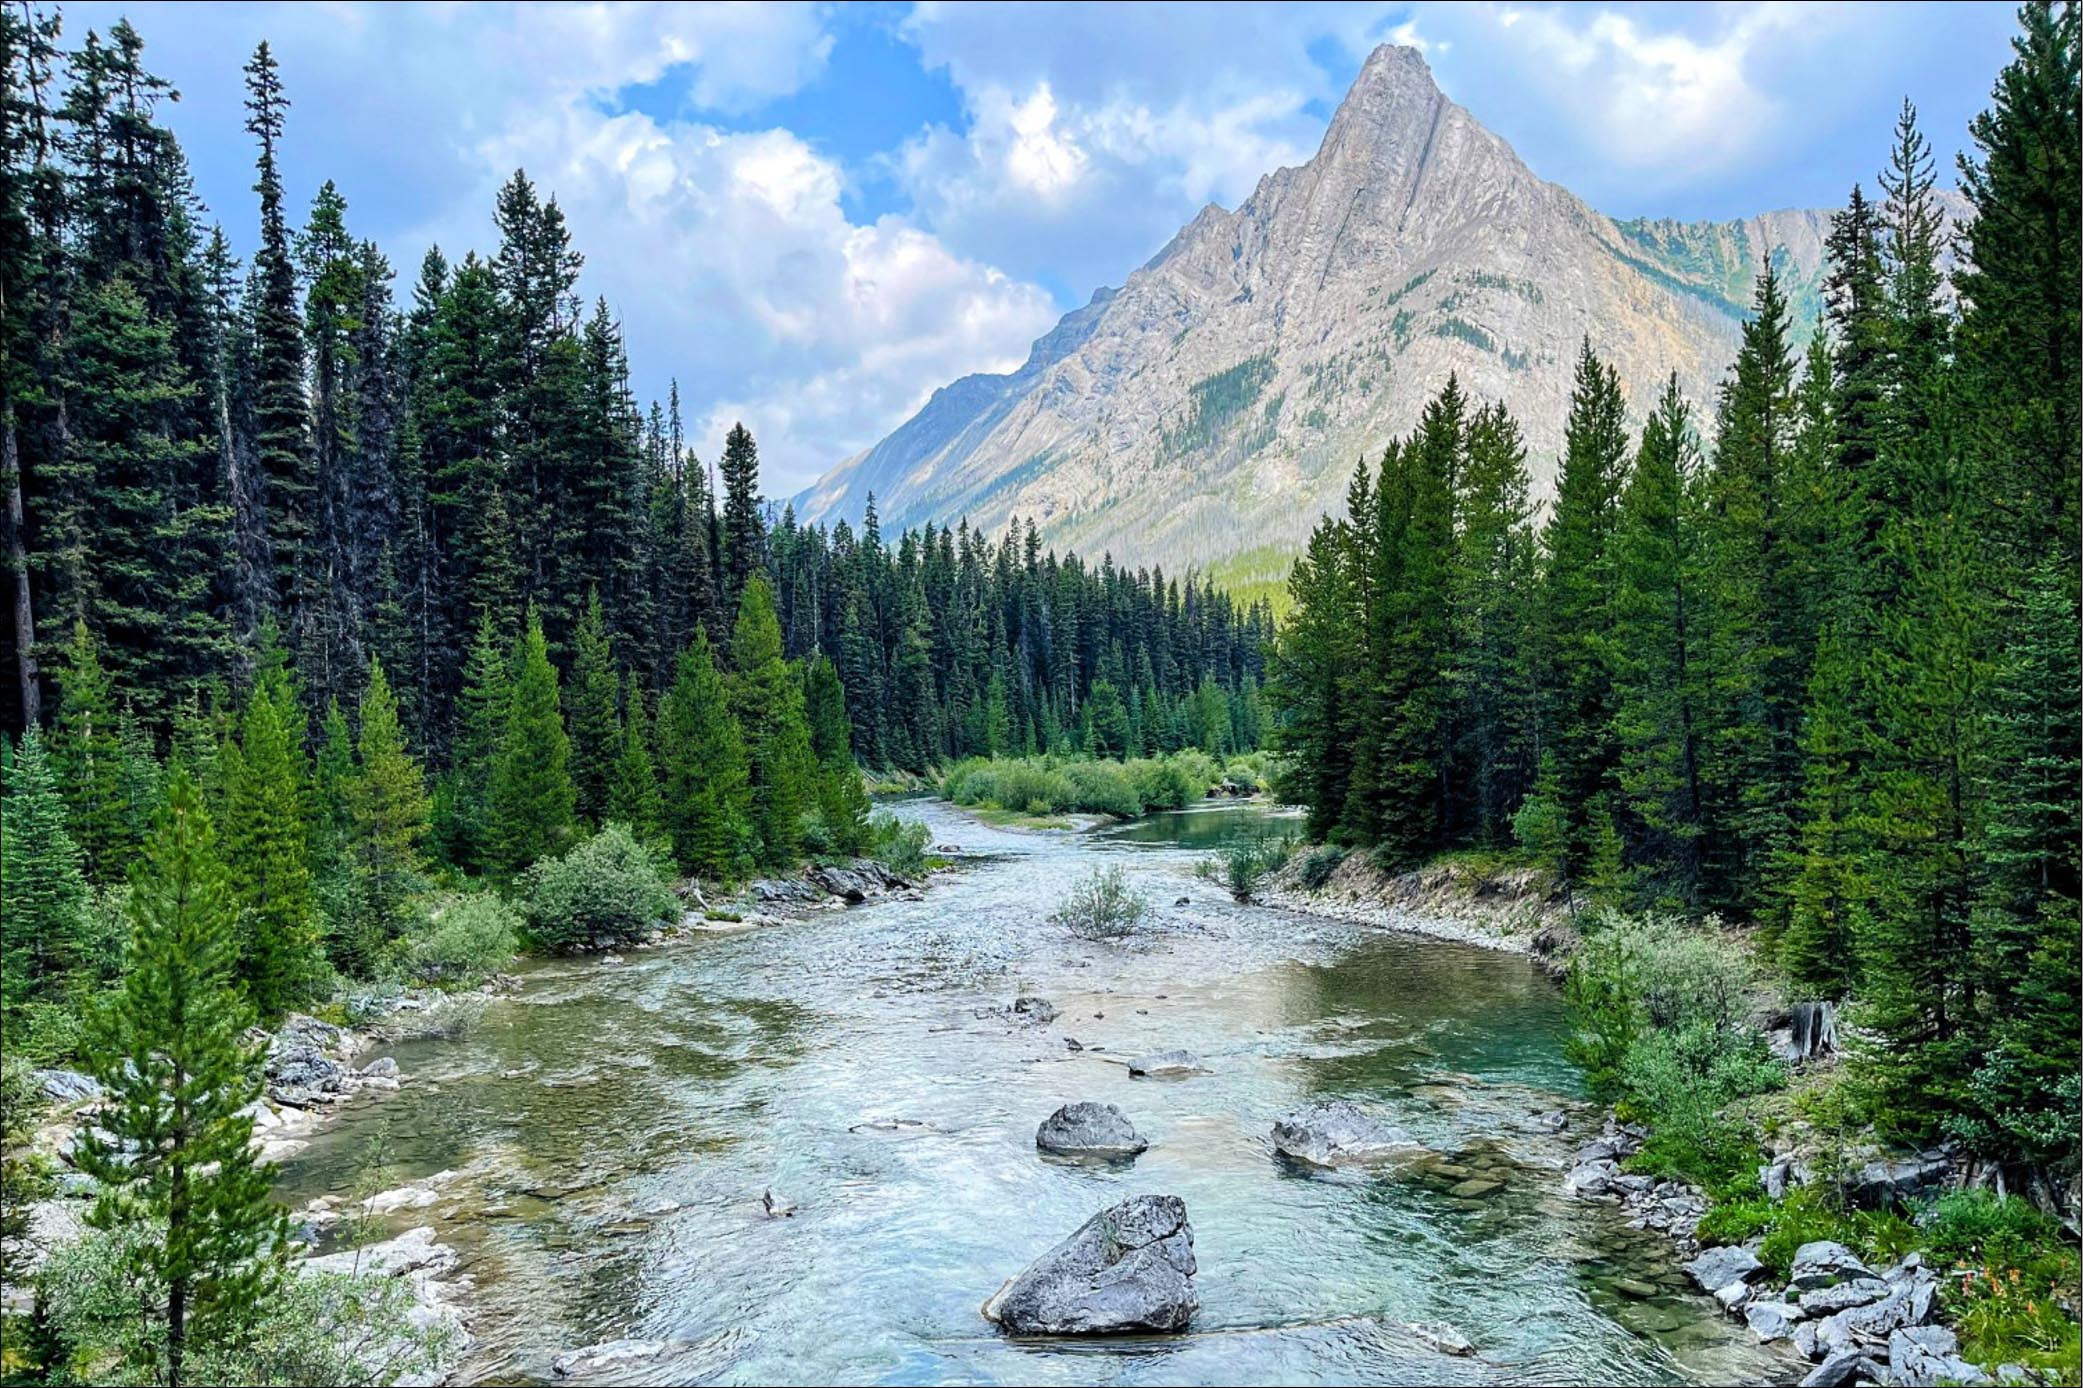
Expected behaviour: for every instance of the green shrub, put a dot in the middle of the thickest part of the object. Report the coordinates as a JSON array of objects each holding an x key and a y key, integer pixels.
[
  {"x": 1246, "y": 861},
  {"x": 1977, "y": 1226},
  {"x": 898, "y": 844},
  {"x": 1102, "y": 906},
  {"x": 609, "y": 889},
  {"x": 1804, "y": 1216},
  {"x": 1320, "y": 864},
  {"x": 1165, "y": 784},
  {"x": 1733, "y": 1221},
  {"x": 464, "y": 940}
]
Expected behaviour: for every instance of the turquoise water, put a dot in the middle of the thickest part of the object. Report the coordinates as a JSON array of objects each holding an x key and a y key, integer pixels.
[{"x": 615, "y": 1127}]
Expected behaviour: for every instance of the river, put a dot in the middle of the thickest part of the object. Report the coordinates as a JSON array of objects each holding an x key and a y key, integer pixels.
[{"x": 615, "y": 1127}]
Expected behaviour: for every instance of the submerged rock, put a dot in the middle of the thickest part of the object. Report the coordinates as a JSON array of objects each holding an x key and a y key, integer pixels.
[
  {"x": 1039, "y": 1011},
  {"x": 1443, "y": 1337},
  {"x": 1336, "y": 1132},
  {"x": 1089, "y": 1130},
  {"x": 1166, "y": 1063},
  {"x": 1128, "y": 1268}
]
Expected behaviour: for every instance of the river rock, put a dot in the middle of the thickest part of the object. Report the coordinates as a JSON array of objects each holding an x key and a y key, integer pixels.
[
  {"x": 1823, "y": 1262},
  {"x": 1336, "y": 1132},
  {"x": 1039, "y": 1011},
  {"x": 1845, "y": 1366},
  {"x": 67, "y": 1086},
  {"x": 1163, "y": 1064},
  {"x": 1128, "y": 1268},
  {"x": 1860, "y": 1291},
  {"x": 1719, "y": 1267},
  {"x": 1772, "y": 1320},
  {"x": 1089, "y": 1130},
  {"x": 381, "y": 1068},
  {"x": 1924, "y": 1356}
]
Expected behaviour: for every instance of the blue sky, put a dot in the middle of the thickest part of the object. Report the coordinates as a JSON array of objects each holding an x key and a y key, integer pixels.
[{"x": 813, "y": 215}]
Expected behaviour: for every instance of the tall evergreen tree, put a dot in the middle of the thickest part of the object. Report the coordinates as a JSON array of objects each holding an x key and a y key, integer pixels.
[
  {"x": 87, "y": 757},
  {"x": 702, "y": 764},
  {"x": 633, "y": 794},
  {"x": 267, "y": 844},
  {"x": 43, "y": 896},
  {"x": 767, "y": 702},
  {"x": 595, "y": 730},
  {"x": 386, "y": 805},
  {"x": 842, "y": 800},
  {"x": 172, "y": 1147},
  {"x": 531, "y": 800}
]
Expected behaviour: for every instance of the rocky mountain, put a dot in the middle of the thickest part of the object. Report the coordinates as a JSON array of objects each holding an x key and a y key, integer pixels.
[{"x": 1212, "y": 408}]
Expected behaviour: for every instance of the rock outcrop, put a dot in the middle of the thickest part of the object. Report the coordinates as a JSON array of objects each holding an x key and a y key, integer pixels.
[{"x": 1336, "y": 1132}]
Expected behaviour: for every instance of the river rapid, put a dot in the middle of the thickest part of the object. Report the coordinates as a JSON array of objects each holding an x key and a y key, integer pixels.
[{"x": 615, "y": 1127}]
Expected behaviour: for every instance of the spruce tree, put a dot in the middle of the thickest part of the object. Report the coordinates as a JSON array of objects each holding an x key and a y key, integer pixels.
[
  {"x": 1494, "y": 577},
  {"x": 1658, "y": 639},
  {"x": 744, "y": 536},
  {"x": 481, "y": 717},
  {"x": 267, "y": 844},
  {"x": 633, "y": 795},
  {"x": 386, "y": 806},
  {"x": 172, "y": 1147},
  {"x": 768, "y": 706},
  {"x": 88, "y": 758},
  {"x": 1578, "y": 608},
  {"x": 43, "y": 895},
  {"x": 595, "y": 735},
  {"x": 532, "y": 804},
  {"x": 842, "y": 800},
  {"x": 702, "y": 764}
]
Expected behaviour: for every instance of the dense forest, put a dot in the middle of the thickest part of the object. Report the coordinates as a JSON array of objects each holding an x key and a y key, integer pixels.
[
  {"x": 254, "y": 510},
  {"x": 1818, "y": 675}
]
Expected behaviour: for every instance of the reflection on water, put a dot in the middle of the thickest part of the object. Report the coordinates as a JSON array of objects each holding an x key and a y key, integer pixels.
[{"x": 615, "y": 1128}]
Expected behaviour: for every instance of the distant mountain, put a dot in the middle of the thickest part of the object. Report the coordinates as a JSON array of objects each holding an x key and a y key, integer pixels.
[{"x": 1212, "y": 408}]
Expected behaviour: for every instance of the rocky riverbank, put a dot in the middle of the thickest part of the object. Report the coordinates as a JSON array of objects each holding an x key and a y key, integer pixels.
[
  {"x": 1851, "y": 1322},
  {"x": 1510, "y": 909}
]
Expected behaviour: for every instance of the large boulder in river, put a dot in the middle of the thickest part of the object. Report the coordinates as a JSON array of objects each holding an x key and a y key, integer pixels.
[
  {"x": 1336, "y": 1132},
  {"x": 1089, "y": 1130},
  {"x": 1127, "y": 1269}
]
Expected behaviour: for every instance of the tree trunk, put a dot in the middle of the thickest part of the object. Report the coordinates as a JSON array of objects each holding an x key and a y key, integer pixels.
[{"x": 18, "y": 560}]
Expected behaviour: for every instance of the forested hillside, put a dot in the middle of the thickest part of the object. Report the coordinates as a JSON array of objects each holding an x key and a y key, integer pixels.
[{"x": 1818, "y": 675}]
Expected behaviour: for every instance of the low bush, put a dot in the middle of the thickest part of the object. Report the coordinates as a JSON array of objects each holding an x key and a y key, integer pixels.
[
  {"x": 1102, "y": 906},
  {"x": 1320, "y": 864},
  {"x": 464, "y": 940},
  {"x": 898, "y": 844},
  {"x": 609, "y": 889},
  {"x": 1054, "y": 785}
]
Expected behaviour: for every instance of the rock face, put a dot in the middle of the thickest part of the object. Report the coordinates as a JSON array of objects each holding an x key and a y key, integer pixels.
[
  {"x": 1215, "y": 403},
  {"x": 1338, "y": 1133},
  {"x": 1129, "y": 1268},
  {"x": 1089, "y": 1130}
]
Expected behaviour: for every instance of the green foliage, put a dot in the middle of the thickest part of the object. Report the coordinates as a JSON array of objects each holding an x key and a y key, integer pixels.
[
  {"x": 386, "y": 802},
  {"x": 842, "y": 798},
  {"x": 24, "y": 1172},
  {"x": 43, "y": 896},
  {"x": 172, "y": 1146},
  {"x": 267, "y": 844},
  {"x": 462, "y": 940},
  {"x": 898, "y": 844},
  {"x": 1319, "y": 865},
  {"x": 609, "y": 889},
  {"x": 594, "y": 720},
  {"x": 767, "y": 702},
  {"x": 1056, "y": 785},
  {"x": 701, "y": 759},
  {"x": 1101, "y": 906},
  {"x": 633, "y": 795},
  {"x": 2015, "y": 1304},
  {"x": 531, "y": 799}
]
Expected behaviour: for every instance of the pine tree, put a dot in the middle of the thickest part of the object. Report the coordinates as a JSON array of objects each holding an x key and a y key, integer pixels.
[
  {"x": 267, "y": 845},
  {"x": 172, "y": 1146},
  {"x": 702, "y": 763},
  {"x": 332, "y": 774},
  {"x": 1658, "y": 639},
  {"x": 842, "y": 800},
  {"x": 744, "y": 537},
  {"x": 633, "y": 795},
  {"x": 43, "y": 896},
  {"x": 1578, "y": 607},
  {"x": 1828, "y": 891},
  {"x": 482, "y": 706},
  {"x": 87, "y": 757},
  {"x": 281, "y": 411},
  {"x": 532, "y": 803},
  {"x": 1759, "y": 662},
  {"x": 1494, "y": 578},
  {"x": 768, "y": 706},
  {"x": 386, "y": 805},
  {"x": 595, "y": 735}
]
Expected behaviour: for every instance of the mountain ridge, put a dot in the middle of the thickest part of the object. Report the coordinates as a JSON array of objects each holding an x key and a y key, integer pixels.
[{"x": 1214, "y": 405}]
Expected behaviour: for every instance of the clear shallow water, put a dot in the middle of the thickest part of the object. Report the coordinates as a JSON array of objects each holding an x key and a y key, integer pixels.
[{"x": 616, "y": 1126}]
